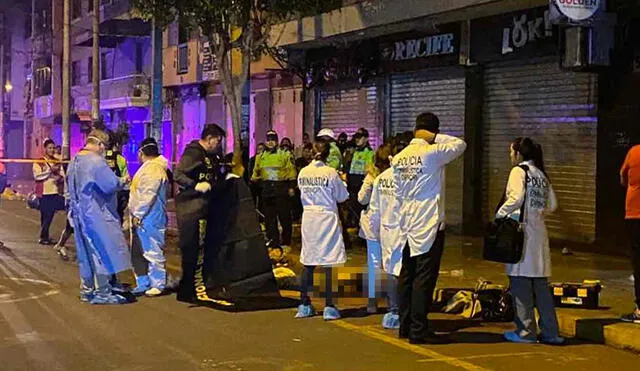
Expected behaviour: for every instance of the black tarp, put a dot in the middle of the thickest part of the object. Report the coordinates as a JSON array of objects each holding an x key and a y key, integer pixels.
[{"x": 234, "y": 271}]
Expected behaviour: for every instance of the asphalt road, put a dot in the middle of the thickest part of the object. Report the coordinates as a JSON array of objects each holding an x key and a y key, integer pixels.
[{"x": 43, "y": 326}]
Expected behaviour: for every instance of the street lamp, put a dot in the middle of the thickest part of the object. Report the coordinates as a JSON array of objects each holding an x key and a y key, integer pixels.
[{"x": 8, "y": 87}]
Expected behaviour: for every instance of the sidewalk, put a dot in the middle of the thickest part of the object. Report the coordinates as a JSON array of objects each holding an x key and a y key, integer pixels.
[{"x": 463, "y": 266}]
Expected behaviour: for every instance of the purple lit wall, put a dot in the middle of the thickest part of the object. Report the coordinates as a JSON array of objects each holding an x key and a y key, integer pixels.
[
  {"x": 193, "y": 120},
  {"x": 76, "y": 137},
  {"x": 167, "y": 143}
]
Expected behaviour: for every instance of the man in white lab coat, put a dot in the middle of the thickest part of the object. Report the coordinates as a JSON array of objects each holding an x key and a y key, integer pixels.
[{"x": 418, "y": 173}]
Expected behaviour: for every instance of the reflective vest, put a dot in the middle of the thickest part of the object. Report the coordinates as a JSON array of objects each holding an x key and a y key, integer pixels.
[
  {"x": 274, "y": 166},
  {"x": 361, "y": 161},
  {"x": 335, "y": 157}
]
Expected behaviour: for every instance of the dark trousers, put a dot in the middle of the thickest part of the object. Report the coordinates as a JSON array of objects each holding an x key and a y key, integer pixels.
[
  {"x": 123, "y": 202},
  {"x": 190, "y": 230},
  {"x": 416, "y": 284},
  {"x": 49, "y": 204},
  {"x": 353, "y": 206},
  {"x": 297, "y": 209},
  {"x": 633, "y": 226},
  {"x": 278, "y": 208}
]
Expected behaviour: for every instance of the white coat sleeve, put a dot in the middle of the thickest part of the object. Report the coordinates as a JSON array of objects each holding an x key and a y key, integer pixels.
[
  {"x": 364, "y": 195},
  {"x": 552, "y": 203},
  {"x": 340, "y": 189},
  {"x": 146, "y": 194},
  {"x": 515, "y": 193},
  {"x": 447, "y": 148},
  {"x": 374, "y": 211}
]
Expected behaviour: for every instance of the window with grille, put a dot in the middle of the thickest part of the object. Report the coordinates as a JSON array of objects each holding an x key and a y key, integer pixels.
[
  {"x": 183, "y": 59},
  {"x": 106, "y": 66},
  {"x": 75, "y": 73}
]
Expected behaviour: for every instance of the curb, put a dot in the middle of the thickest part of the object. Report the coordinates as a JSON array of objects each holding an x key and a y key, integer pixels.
[{"x": 600, "y": 329}]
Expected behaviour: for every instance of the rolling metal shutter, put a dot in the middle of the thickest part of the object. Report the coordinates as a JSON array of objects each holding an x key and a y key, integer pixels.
[
  {"x": 441, "y": 91},
  {"x": 558, "y": 109},
  {"x": 347, "y": 109}
]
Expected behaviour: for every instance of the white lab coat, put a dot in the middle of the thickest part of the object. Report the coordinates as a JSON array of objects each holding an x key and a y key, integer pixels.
[
  {"x": 418, "y": 173},
  {"x": 364, "y": 197},
  {"x": 321, "y": 189},
  {"x": 541, "y": 199},
  {"x": 385, "y": 222}
]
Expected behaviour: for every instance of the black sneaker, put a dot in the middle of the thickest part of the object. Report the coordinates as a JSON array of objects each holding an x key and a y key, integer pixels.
[
  {"x": 633, "y": 317},
  {"x": 46, "y": 242},
  {"x": 431, "y": 338}
]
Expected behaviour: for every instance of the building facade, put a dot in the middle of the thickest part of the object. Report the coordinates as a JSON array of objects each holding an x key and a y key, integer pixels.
[
  {"x": 194, "y": 97},
  {"x": 492, "y": 71}
]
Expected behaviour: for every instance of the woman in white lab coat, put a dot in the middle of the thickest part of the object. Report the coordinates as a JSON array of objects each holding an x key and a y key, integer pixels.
[
  {"x": 374, "y": 253},
  {"x": 529, "y": 185},
  {"x": 321, "y": 189},
  {"x": 384, "y": 226}
]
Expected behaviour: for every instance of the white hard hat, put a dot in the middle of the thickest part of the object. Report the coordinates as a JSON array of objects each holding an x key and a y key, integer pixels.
[{"x": 327, "y": 133}]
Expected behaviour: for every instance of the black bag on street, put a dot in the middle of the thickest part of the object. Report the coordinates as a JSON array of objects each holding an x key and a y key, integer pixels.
[{"x": 504, "y": 238}]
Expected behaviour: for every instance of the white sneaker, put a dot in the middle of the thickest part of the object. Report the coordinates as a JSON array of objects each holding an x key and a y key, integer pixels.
[{"x": 154, "y": 291}]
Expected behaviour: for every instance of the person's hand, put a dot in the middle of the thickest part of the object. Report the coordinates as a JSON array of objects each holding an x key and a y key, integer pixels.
[
  {"x": 343, "y": 176},
  {"x": 135, "y": 221},
  {"x": 203, "y": 187},
  {"x": 292, "y": 192},
  {"x": 124, "y": 180}
]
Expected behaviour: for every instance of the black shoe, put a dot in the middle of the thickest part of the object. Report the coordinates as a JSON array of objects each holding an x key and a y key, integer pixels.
[
  {"x": 431, "y": 338},
  {"x": 185, "y": 297},
  {"x": 46, "y": 242}
]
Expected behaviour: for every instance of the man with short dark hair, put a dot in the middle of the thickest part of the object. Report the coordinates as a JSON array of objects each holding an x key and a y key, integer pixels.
[
  {"x": 195, "y": 175},
  {"x": 148, "y": 209},
  {"x": 418, "y": 172}
]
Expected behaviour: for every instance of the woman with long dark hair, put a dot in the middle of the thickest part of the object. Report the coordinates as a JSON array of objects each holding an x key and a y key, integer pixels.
[
  {"x": 529, "y": 185},
  {"x": 381, "y": 163}
]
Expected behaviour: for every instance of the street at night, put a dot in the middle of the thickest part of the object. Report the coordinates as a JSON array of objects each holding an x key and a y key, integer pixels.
[
  {"x": 45, "y": 327},
  {"x": 319, "y": 185}
]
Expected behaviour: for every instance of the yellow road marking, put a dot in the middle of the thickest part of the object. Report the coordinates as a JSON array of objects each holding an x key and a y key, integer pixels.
[
  {"x": 437, "y": 357},
  {"x": 499, "y": 355}
]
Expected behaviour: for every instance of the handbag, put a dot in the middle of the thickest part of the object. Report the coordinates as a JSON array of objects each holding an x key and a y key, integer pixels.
[
  {"x": 504, "y": 238},
  {"x": 33, "y": 201}
]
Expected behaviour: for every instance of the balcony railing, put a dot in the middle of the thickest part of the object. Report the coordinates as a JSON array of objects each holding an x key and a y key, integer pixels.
[{"x": 125, "y": 91}]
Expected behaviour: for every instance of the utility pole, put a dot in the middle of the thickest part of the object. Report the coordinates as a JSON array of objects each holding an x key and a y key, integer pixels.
[
  {"x": 66, "y": 88},
  {"x": 156, "y": 83},
  {"x": 95, "y": 102},
  {"x": 29, "y": 110}
]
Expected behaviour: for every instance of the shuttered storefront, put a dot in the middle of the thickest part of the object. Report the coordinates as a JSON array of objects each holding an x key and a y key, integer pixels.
[
  {"x": 558, "y": 109},
  {"x": 347, "y": 109},
  {"x": 441, "y": 91}
]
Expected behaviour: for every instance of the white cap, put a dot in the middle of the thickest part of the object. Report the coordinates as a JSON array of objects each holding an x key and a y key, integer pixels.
[{"x": 327, "y": 133}]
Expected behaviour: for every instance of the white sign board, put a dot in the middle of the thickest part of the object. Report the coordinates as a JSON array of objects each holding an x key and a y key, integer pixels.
[{"x": 578, "y": 10}]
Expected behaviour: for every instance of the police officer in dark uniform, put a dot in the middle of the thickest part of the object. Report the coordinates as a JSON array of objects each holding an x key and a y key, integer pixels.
[
  {"x": 195, "y": 175},
  {"x": 118, "y": 164}
]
